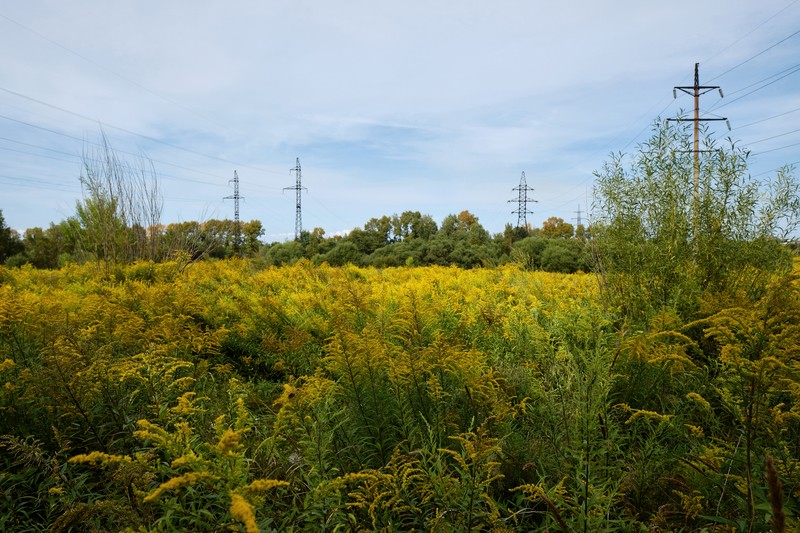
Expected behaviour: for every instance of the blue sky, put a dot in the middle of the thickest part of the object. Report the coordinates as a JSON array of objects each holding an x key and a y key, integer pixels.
[{"x": 431, "y": 106}]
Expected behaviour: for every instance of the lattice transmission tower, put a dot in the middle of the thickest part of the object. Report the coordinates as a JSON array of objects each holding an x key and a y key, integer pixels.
[
  {"x": 522, "y": 202},
  {"x": 237, "y": 227},
  {"x": 579, "y": 212},
  {"x": 298, "y": 187}
]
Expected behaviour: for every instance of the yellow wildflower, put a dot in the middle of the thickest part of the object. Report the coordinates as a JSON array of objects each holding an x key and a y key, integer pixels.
[
  {"x": 262, "y": 485},
  {"x": 641, "y": 413},
  {"x": 100, "y": 458},
  {"x": 244, "y": 512},
  {"x": 186, "y": 406},
  {"x": 696, "y": 398},
  {"x": 696, "y": 431},
  {"x": 175, "y": 483},
  {"x": 229, "y": 443}
]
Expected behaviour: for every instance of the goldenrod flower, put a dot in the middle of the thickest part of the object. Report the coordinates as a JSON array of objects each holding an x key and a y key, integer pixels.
[
  {"x": 100, "y": 458},
  {"x": 229, "y": 444},
  {"x": 262, "y": 485},
  {"x": 244, "y": 512},
  {"x": 175, "y": 483}
]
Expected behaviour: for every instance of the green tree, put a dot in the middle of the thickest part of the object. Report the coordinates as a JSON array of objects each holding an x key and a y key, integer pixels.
[
  {"x": 377, "y": 233},
  {"x": 413, "y": 225},
  {"x": 556, "y": 228},
  {"x": 345, "y": 252},
  {"x": 122, "y": 201},
  {"x": 285, "y": 253},
  {"x": 563, "y": 255},
  {"x": 10, "y": 243},
  {"x": 654, "y": 251}
]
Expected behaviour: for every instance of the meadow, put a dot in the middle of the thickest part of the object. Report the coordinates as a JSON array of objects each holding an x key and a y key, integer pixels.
[{"x": 226, "y": 396}]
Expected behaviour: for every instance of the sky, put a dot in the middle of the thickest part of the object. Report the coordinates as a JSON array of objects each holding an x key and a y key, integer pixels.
[{"x": 436, "y": 106}]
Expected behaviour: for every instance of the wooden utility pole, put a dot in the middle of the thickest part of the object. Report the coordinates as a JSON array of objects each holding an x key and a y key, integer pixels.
[{"x": 696, "y": 91}]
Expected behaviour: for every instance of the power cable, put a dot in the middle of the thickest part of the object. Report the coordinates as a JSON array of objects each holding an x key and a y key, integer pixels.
[
  {"x": 773, "y": 137},
  {"x": 729, "y": 102},
  {"x": 768, "y": 118},
  {"x": 129, "y": 132},
  {"x": 774, "y": 149},
  {"x": 85, "y": 141},
  {"x": 756, "y": 55},
  {"x": 103, "y": 67},
  {"x": 743, "y": 37}
]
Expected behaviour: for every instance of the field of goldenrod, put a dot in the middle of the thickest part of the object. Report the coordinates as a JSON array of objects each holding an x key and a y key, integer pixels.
[{"x": 221, "y": 396}]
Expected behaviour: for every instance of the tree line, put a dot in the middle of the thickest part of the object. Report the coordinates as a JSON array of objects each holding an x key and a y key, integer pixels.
[
  {"x": 411, "y": 238},
  {"x": 407, "y": 239}
]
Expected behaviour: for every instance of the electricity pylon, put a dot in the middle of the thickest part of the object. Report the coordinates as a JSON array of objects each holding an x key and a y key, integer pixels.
[
  {"x": 237, "y": 228},
  {"x": 298, "y": 187},
  {"x": 522, "y": 202}
]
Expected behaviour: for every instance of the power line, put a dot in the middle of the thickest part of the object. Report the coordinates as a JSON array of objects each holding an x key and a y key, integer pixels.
[
  {"x": 103, "y": 67},
  {"x": 86, "y": 141},
  {"x": 768, "y": 118},
  {"x": 129, "y": 132},
  {"x": 740, "y": 39},
  {"x": 31, "y": 182},
  {"x": 763, "y": 80},
  {"x": 773, "y": 137},
  {"x": 756, "y": 55},
  {"x": 796, "y": 69},
  {"x": 793, "y": 163},
  {"x": 775, "y": 149}
]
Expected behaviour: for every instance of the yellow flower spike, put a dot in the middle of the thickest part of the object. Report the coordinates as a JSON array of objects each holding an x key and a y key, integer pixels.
[
  {"x": 188, "y": 479},
  {"x": 648, "y": 415},
  {"x": 262, "y": 485},
  {"x": 189, "y": 459},
  {"x": 244, "y": 512},
  {"x": 230, "y": 443},
  {"x": 696, "y": 398},
  {"x": 100, "y": 458},
  {"x": 695, "y": 431},
  {"x": 186, "y": 405}
]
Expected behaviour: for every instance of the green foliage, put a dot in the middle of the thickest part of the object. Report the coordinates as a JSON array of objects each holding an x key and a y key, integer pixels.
[
  {"x": 556, "y": 228},
  {"x": 10, "y": 244},
  {"x": 661, "y": 242},
  {"x": 312, "y": 397}
]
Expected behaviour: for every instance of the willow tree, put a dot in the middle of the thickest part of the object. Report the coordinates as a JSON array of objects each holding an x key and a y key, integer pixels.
[
  {"x": 662, "y": 243},
  {"x": 121, "y": 206}
]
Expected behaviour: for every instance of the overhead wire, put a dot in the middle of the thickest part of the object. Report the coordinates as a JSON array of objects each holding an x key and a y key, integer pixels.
[
  {"x": 743, "y": 37},
  {"x": 116, "y": 150},
  {"x": 773, "y": 137},
  {"x": 794, "y": 70},
  {"x": 766, "y": 119},
  {"x": 109, "y": 70},
  {"x": 136, "y": 134},
  {"x": 759, "y": 53}
]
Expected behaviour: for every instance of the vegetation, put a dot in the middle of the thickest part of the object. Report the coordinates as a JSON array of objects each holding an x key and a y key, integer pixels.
[{"x": 304, "y": 389}]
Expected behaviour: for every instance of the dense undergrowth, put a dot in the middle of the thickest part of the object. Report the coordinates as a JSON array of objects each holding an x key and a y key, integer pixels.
[{"x": 222, "y": 397}]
